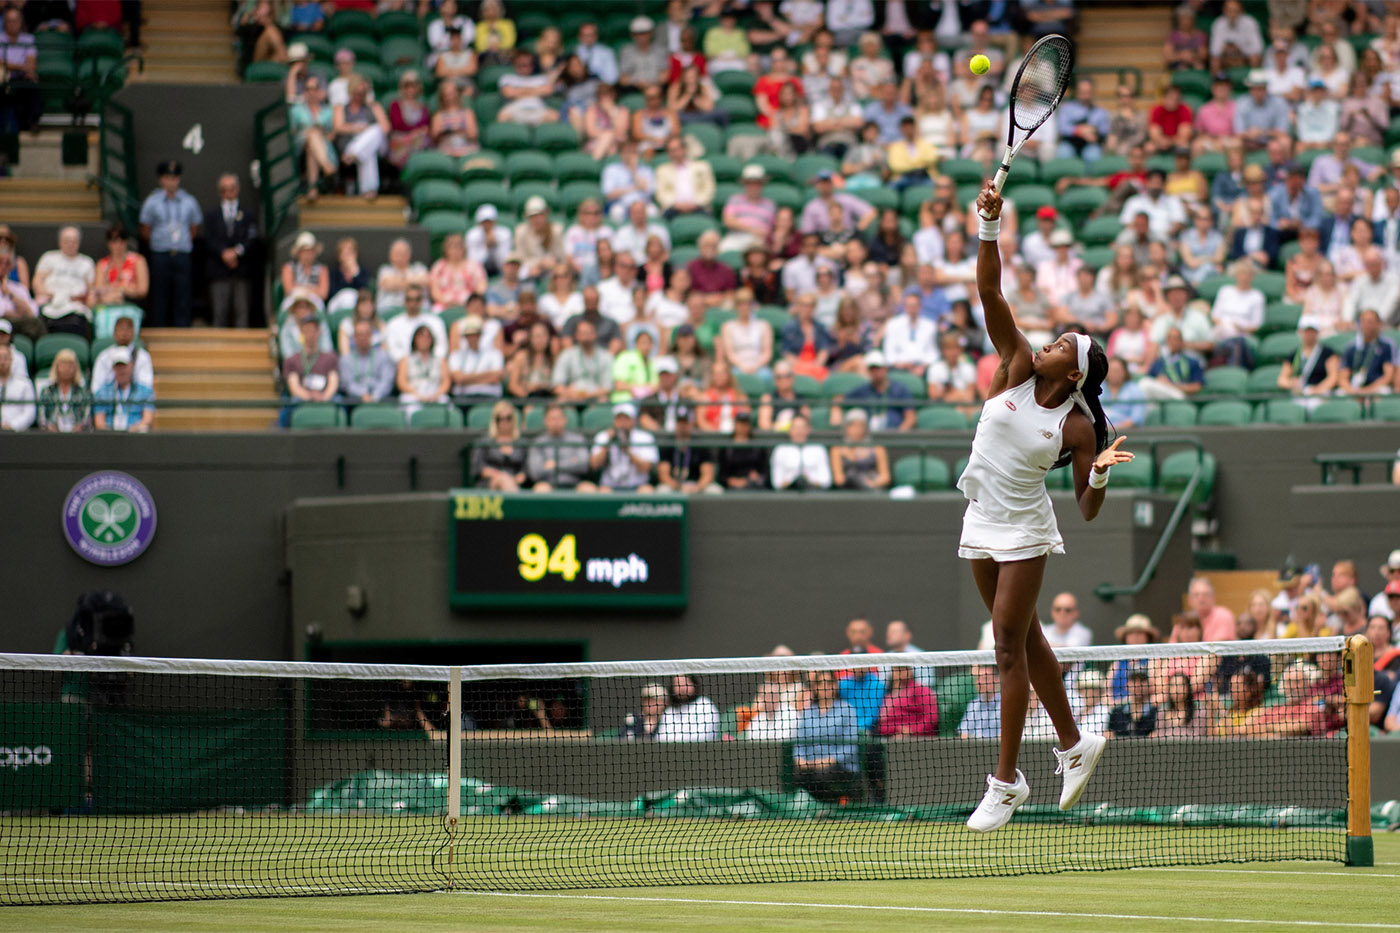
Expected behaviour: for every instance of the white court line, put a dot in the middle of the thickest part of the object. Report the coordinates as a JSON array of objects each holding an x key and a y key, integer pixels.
[
  {"x": 1354, "y": 873},
  {"x": 981, "y": 911}
]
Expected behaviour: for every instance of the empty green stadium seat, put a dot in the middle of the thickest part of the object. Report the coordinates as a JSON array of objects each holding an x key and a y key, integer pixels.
[
  {"x": 317, "y": 416},
  {"x": 740, "y": 107},
  {"x": 725, "y": 168},
  {"x": 1178, "y": 414},
  {"x": 806, "y": 167},
  {"x": 1099, "y": 231},
  {"x": 556, "y": 137},
  {"x": 1276, "y": 348},
  {"x": 955, "y": 691},
  {"x": 911, "y": 200},
  {"x": 25, "y": 348},
  {"x": 785, "y": 195},
  {"x": 1136, "y": 473},
  {"x": 575, "y": 193},
  {"x": 366, "y": 50},
  {"x": 708, "y": 135},
  {"x": 596, "y": 418},
  {"x": 529, "y": 165},
  {"x": 686, "y": 229},
  {"x": 1385, "y": 408},
  {"x": 525, "y": 190},
  {"x": 505, "y": 137},
  {"x": 1271, "y": 284},
  {"x": 838, "y": 384},
  {"x": 735, "y": 82},
  {"x": 1192, "y": 82},
  {"x": 1336, "y": 411},
  {"x": 1096, "y": 257},
  {"x": 878, "y": 198},
  {"x": 387, "y": 416},
  {"x": 49, "y": 345},
  {"x": 1030, "y": 198},
  {"x": 431, "y": 164},
  {"x": 1280, "y": 317},
  {"x": 941, "y": 418},
  {"x": 682, "y": 255},
  {"x": 925, "y": 474},
  {"x": 400, "y": 52},
  {"x": 917, "y": 387},
  {"x": 1210, "y": 164},
  {"x": 1225, "y": 412},
  {"x": 396, "y": 23},
  {"x": 484, "y": 165},
  {"x": 754, "y": 386},
  {"x": 1263, "y": 380},
  {"x": 1078, "y": 203},
  {"x": 1052, "y": 170},
  {"x": 1210, "y": 286},
  {"x": 1226, "y": 380},
  {"x": 256, "y": 72},
  {"x": 576, "y": 166},
  {"x": 103, "y": 42},
  {"x": 1177, "y": 469},
  {"x": 346, "y": 22},
  {"x": 1281, "y": 411},
  {"x": 806, "y": 386},
  {"x": 1107, "y": 165},
  {"x": 436, "y": 194},
  {"x": 963, "y": 171},
  {"x": 485, "y": 192},
  {"x": 777, "y": 168}
]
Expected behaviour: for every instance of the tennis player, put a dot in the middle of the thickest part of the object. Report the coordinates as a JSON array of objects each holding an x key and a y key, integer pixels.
[{"x": 1042, "y": 412}]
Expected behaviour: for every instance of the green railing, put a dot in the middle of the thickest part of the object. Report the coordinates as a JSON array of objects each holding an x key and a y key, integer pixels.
[
  {"x": 1331, "y": 463},
  {"x": 279, "y": 181},
  {"x": 116, "y": 165},
  {"x": 1108, "y": 591}
]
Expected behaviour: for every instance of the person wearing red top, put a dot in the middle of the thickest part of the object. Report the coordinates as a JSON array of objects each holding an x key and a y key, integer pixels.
[
  {"x": 688, "y": 54},
  {"x": 767, "y": 88},
  {"x": 1169, "y": 124},
  {"x": 909, "y": 708}
]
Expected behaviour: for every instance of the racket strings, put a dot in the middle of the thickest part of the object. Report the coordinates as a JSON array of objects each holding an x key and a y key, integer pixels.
[{"x": 1043, "y": 80}]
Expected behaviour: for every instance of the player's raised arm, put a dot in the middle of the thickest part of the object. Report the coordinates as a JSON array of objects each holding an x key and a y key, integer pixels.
[{"x": 1011, "y": 345}]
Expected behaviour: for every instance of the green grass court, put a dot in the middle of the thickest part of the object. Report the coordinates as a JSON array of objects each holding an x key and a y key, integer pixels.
[{"x": 241, "y": 856}]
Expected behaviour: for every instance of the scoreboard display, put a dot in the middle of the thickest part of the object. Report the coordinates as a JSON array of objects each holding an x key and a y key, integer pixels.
[{"x": 566, "y": 551}]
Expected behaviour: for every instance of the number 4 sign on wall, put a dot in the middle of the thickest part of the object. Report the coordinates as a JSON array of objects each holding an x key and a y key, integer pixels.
[{"x": 194, "y": 139}]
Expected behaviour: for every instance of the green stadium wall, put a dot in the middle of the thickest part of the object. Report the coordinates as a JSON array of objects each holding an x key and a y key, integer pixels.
[{"x": 236, "y": 570}]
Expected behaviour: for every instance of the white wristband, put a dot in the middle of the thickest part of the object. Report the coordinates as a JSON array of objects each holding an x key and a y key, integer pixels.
[
  {"x": 1098, "y": 480},
  {"x": 988, "y": 229}
]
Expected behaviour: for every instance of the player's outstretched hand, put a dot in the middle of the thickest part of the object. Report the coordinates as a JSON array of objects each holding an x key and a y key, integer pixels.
[
  {"x": 989, "y": 202},
  {"x": 1111, "y": 455}
]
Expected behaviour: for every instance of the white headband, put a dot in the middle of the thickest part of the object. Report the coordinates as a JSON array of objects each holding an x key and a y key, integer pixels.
[{"x": 1082, "y": 344}]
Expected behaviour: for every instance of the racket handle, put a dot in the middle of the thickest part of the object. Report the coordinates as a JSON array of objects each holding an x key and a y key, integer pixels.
[{"x": 1003, "y": 170}]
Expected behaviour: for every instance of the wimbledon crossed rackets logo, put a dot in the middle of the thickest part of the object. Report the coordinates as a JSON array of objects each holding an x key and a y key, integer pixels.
[{"x": 109, "y": 518}]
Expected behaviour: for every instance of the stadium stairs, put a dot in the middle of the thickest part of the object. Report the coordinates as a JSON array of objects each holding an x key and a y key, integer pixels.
[
  {"x": 213, "y": 364},
  {"x": 1123, "y": 35},
  {"x": 335, "y": 211},
  {"x": 187, "y": 43}
]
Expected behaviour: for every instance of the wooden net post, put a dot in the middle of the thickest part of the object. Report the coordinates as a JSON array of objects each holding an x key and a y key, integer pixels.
[{"x": 1360, "y": 687}]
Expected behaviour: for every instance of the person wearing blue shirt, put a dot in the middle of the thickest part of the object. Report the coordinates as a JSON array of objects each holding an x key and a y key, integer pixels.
[
  {"x": 825, "y": 752},
  {"x": 880, "y": 388},
  {"x": 1123, "y": 401},
  {"x": 886, "y": 112},
  {"x": 123, "y": 405},
  {"x": 1259, "y": 116},
  {"x": 1294, "y": 205},
  {"x": 1083, "y": 126},
  {"x": 170, "y": 219},
  {"x": 864, "y": 689},
  {"x": 1176, "y": 372},
  {"x": 1368, "y": 363},
  {"x": 982, "y": 718}
]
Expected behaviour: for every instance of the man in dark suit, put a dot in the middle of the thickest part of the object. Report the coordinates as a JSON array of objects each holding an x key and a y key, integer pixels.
[
  {"x": 231, "y": 233},
  {"x": 1256, "y": 240}
]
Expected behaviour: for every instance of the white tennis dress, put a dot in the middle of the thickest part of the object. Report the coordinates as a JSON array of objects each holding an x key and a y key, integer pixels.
[{"x": 1009, "y": 515}]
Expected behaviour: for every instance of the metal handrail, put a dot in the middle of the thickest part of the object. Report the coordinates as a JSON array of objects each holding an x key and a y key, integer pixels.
[
  {"x": 1353, "y": 462},
  {"x": 1107, "y": 591}
]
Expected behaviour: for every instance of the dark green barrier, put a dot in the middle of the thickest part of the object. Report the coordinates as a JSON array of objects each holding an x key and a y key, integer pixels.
[
  {"x": 172, "y": 762},
  {"x": 41, "y": 755}
]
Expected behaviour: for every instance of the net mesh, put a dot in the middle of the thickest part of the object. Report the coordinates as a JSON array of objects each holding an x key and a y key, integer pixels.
[
  {"x": 140, "y": 779},
  {"x": 1042, "y": 81}
]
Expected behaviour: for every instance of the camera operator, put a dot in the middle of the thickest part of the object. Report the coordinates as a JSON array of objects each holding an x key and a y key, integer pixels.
[{"x": 624, "y": 453}]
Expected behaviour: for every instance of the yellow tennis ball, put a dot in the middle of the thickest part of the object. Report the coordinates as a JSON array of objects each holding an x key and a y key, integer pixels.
[{"x": 980, "y": 64}]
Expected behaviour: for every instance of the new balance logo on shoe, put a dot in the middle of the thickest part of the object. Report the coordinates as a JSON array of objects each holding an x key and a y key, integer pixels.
[
  {"x": 1074, "y": 761},
  {"x": 1008, "y": 800}
]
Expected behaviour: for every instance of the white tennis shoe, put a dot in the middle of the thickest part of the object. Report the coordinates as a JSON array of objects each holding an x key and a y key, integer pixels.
[
  {"x": 999, "y": 803},
  {"x": 1077, "y": 765}
]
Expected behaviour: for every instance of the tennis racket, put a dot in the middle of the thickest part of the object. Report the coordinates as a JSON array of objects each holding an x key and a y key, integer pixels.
[{"x": 1040, "y": 84}]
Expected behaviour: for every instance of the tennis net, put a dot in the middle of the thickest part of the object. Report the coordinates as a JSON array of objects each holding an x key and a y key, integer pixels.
[{"x": 155, "y": 779}]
